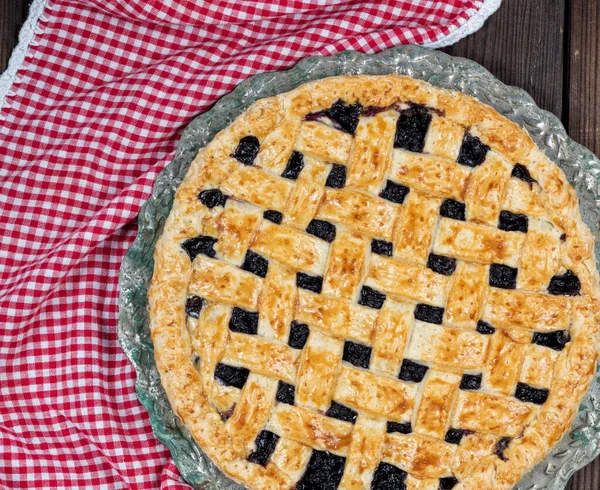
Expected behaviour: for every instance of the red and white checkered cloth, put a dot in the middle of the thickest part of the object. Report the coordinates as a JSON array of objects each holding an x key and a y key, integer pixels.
[{"x": 91, "y": 109}]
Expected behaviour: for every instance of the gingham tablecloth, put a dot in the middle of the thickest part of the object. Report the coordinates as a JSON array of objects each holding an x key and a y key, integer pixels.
[{"x": 91, "y": 109}]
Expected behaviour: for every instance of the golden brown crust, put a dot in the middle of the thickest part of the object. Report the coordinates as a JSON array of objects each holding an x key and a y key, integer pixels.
[{"x": 503, "y": 436}]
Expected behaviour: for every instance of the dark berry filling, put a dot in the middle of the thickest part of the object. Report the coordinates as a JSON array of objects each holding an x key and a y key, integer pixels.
[
  {"x": 381, "y": 247},
  {"x": 412, "y": 371},
  {"x": 400, "y": 427},
  {"x": 231, "y": 375},
  {"x": 503, "y": 276},
  {"x": 342, "y": 412},
  {"x": 448, "y": 483},
  {"x": 454, "y": 436},
  {"x": 322, "y": 229},
  {"x": 212, "y": 197},
  {"x": 501, "y": 446},
  {"x": 311, "y": 283},
  {"x": 298, "y": 335},
  {"x": 371, "y": 298},
  {"x": 256, "y": 264},
  {"x": 513, "y": 222},
  {"x": 412, "y": 127},
  {"x": 247, "y": 150},
  {"x": 394, "y": 192},
  {"x": 357, "y": 354},
  {"x": 527, "y": 393},
  {"x": 485, "y": 328},
  {"x": 285, "y": 393},
  {"x": 520, "y": 172},
  {"x": 193, "y": 306},
  {"x": 294, "y": 166},
  {"x": 472, "y": 151},
  {"x": 429, "y": 314},
  {"x": 555, "y": 340},
  {"x": 566, "y": 284},
  {"x": 453, "y": 209},
  {"x": 200, "y": 245},
  {"x": 388, "y": 477},
  {"x": 337, "y": 176},
  {"x": 441, "y": 264},
  {"x": 323, "y": 472},
  {"x": 265, "y": 445},
  {"x": 273, "y": 216},
  {"x": 243, "y": 321},
  {"x": 470, "y": 382}
]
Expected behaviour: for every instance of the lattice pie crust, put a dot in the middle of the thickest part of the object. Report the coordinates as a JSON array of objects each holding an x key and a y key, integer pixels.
[{"x": 370, "y": 282}]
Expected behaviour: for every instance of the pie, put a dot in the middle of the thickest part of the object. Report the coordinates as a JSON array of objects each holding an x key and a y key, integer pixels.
[{"x": 373, "y": 283}]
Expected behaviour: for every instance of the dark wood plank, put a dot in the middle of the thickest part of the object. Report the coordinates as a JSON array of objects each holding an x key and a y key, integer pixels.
[
  {"x": 522, "y": 45},
  {"x": 582, "y": 107},
  {"x": 12, "y": 15},
  {"x": 583, "y": 104}
]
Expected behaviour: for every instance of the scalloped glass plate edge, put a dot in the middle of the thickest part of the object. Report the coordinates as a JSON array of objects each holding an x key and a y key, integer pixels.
[{"x": 579, "y": 447}]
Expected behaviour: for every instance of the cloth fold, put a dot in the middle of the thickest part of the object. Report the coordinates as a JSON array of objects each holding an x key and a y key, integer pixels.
[{"x": 91, "y": 109}]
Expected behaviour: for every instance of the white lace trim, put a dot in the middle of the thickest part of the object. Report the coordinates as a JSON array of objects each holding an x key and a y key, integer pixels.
[
  {"x": 472, "y": 24},
  {"x": 26, "y": 39}
]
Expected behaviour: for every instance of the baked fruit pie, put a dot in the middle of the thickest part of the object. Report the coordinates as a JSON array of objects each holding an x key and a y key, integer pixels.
[{"x": 372, "y": 283}]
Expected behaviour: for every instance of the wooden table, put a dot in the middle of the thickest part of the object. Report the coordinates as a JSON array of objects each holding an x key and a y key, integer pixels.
[{"x": 550, "y": 48}]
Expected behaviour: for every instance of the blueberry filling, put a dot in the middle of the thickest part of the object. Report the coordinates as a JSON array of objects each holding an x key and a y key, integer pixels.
[
  {"x": 527, "y": 393},
  {"x": 247, "y": 150},
  {"x": 485, "y": 328},
  {"x": 381, "y": 247},
  {"x": 412, "y": 371},
  {"x": 341, "y": 412},
  {"x": 298, "y": 335},
  {"x": 337, "y": 176},
  {"x": 357, "y": 354},
  {"x": 555, "y": 340},
  {"x": 200, "y": 245},
  {"x": 193, "y": 306},
  {"x": 273, "y": 216},
  {"x": 394, "y": 192},
  {"x": 429, "y": 314},
  {"x": 243, "y": 321},
  {"x": 453, "y": 209},
  {"x": 503, "y": 276},
  {"x": 400, "y": 427},
  {"x": 265, "y": 445},
  {"x": 285, "y": 393},
  {"x": 323, "y": 472},
  {"x": 566, "y": 284},
  {"x": 311, "y": 283},
  {"x": 231, "y": 375},
  {"x": 343, "y": 116},
  {"x": 520, "y": 172},
  {"x": 441, "y": 264},
  {"x": 294, "y": 166},
  {"x": 501, "y": 446},
  {"x": 371, "y": 298},
  {"x": 321, "y": 229},
  {"x": 448, "y": 483},
  {"x": 513, "y": 222},
  {"x": 472, "y": 151},
  {"x": 470, "y": 382},
  {"x": 255, "y": 263},
  {"x": 212, "y": 197},
  {"x": 412, "y": 127},
  {"x": 454, "y": 436},
  {"x": 388, "y": 477}
]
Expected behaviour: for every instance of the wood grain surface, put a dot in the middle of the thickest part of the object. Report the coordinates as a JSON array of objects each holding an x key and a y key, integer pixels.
[{"x": 549, "y": 48}]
